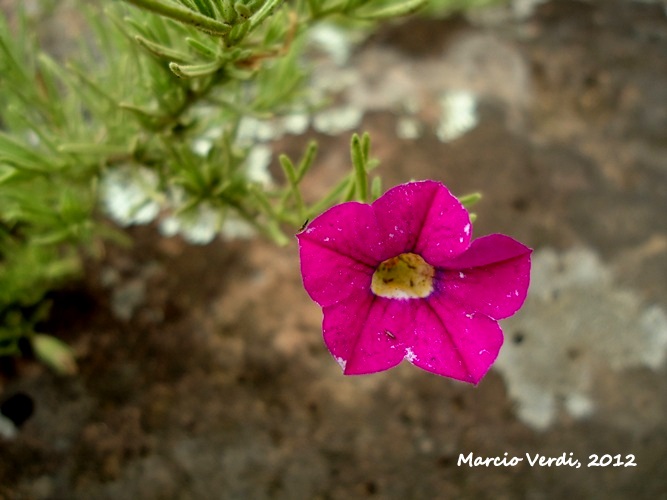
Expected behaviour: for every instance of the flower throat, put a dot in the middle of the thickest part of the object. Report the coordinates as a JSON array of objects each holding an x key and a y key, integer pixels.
[{"x": 406, "y": 276}]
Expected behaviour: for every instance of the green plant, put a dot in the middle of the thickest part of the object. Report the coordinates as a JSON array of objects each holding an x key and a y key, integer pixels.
[{"x": 150, "y": 115}]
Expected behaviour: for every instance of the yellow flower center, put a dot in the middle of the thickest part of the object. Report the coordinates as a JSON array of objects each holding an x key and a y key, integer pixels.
[{"x": 406, "y": 276}]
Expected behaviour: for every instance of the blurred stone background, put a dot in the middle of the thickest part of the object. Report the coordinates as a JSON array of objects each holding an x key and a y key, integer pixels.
[{"x": 203, "y": 374}]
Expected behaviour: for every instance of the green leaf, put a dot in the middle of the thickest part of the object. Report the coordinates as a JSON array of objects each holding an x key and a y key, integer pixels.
[
  {"x": 238, "y": 32},
  {"x": 202, "y": 48},
  {"x": 23, "y": 157},
  {"x": 265, "y": 11},
  {"x": 162, "y": 51},
  {"x": 242, "y": 10},
  {"x": 392, "y": 10},
  {"x": 307, "y": 160},
  {"x": 292, "y": 177},
  {"x": 54, "y": 353},
  {"x": 184, "y": 15},
  {"x": 101, "y": 150},
  {"x": 228, "y": 12},
  {"x": 359, "y": 163},
  {"x": 205, "y": 7},
  {"x": 376, "y": 188},
  {"x": 195, "y": 70},
  {"x": 469, "y": 200}
]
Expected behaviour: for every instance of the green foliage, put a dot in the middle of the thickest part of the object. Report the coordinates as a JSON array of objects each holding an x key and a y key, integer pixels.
[
  {"x": 149, "y": 114},
  {"x": 442, "y": 8}
]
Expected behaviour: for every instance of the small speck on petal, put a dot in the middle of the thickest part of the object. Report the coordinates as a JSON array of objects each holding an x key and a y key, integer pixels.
[{"x": 341, "y": 362}]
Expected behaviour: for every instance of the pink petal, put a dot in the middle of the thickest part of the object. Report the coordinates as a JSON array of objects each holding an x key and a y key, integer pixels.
[
  {"x": 338, "y": 251},
  {"x": 424, "y": 218},
  {"x": 367, "y": 334},
  {"x": 330, "y": 277},
  {"x": 453, "y": 343},
  {"x": 491, "y": 277}
]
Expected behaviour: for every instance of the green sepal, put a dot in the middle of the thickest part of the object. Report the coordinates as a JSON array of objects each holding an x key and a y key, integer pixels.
[{"x": 469, "y": 200}]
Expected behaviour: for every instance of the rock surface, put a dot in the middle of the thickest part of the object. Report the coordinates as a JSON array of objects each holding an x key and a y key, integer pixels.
[{"x": 213, "y": 381}]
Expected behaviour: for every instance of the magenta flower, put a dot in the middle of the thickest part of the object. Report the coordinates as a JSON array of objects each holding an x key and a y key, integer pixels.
[{"x": 399, "y": 279}]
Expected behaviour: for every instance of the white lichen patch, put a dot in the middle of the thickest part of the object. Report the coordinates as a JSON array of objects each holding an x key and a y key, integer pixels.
[
  {"x": 234, "y": 227},
  {"x": 203, "y": 144},
  {"x": 252, "y": 130},
  {"x": 128, "y": 195},
  {"x": 333, "y": 40},
  {"x": 198, "y": 226},
  {"x": 201, "y": 226},
  {"x": 579, "y": 405},
  {"x": 523, "y": 9},
  {"x": 414, "y": 91},
  {"x": 127, "y": 298},
  {"x": 335, "y": 121},
  {"x": 408, "y": 127},
  {"x": 296, "y": 123},
  {"x": 8, "y": 430},
  {"x": 575, "y": 324},
  {"x": 458, "y": 114},
  {"x": 257, "y": 165}
]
